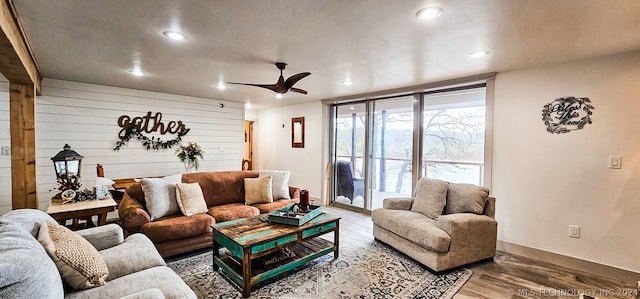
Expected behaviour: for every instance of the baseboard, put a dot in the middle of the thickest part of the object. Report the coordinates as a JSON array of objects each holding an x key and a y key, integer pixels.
[{"x": 570, "y": 262}]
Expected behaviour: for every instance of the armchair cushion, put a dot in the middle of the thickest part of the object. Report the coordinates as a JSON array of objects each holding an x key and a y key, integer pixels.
[
  {"x": 414, "y": 227},
  {"x": 153, "y": 293},
  {"x": 103, "y": 237},
  {"x": 466, "y": 198},
  {"x": 26, "y": 270},
  {"x": 430, "y": 197},
  {"x": 79, "y": 263},
  {"x": 398, "y": 203},
  {"x": 140, "y": 254},
  {"x": 160, "y": 195}
]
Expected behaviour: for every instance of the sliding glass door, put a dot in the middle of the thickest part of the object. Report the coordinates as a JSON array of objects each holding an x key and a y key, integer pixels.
[
  {"x": 381, "y": 147},
  {"x": 392, "y": 150},
  {"x": 350, "y": 131}
]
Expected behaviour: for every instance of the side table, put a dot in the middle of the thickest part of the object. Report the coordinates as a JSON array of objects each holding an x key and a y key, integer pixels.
[{"x": 82, "y": 210}]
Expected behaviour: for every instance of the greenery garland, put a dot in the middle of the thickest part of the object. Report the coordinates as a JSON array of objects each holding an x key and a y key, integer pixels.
[{"x": 152, "y": 143}]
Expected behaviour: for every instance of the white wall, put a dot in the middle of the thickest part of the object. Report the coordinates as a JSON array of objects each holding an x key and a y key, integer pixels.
[
  {"x": 274, "y": 151},
  {"x": 85, "y": 116},
  {"x": 544, "y": 182}
]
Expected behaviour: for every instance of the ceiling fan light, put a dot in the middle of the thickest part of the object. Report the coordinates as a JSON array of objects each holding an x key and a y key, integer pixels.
[
  {"x": 174, "y": 35},
  {"x": 479, "y": 53},
  {"x": 137, "y": 73},
  {"x": 429, "y": 13}
]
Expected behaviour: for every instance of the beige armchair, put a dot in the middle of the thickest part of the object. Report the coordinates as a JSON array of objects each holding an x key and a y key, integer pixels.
[{"x": 443, "y": 226}]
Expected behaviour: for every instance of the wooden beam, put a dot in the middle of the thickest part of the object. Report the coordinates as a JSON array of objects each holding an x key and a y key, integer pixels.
[
  {"x": 16, "y": 62},
  {"x": 23, "y": 146}
]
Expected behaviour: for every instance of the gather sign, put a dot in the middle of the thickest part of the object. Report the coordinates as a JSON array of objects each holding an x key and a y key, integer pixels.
[{"x": 149, "y": 123}]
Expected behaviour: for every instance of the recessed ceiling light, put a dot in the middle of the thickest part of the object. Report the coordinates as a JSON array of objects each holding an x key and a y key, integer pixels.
[
  {"x": 137, "y": 73},
  {"x": 352, "y": 108},
  {"x": 278, "y": 95},
  {"x": 174, "y": 35},
  {"x": 347, "y": 82},
  {"x": 221, "y": 86},
  {"x": 247, "y": 105},
  {"x": 479, "y": 53},
  {"x": 429, "y": 13}
]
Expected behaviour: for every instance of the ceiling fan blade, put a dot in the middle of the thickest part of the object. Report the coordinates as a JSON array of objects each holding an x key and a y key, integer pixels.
[
  {"x": 298, "y": 90},
  {"x": 267, "y": 86},
  {"x": 295, "y": 78}
]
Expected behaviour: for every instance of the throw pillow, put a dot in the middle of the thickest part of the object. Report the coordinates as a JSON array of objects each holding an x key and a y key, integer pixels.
[
  {"x": 466, "y": 198},
  {"x": 160, "y": 195},
  {"x": 79, "y": 263},
  {"x": 190, "y": 199},
  {"x": 279, "y": 182},
  {"x": 430, "y": 197},
  {"x": 257, "y": 190}
]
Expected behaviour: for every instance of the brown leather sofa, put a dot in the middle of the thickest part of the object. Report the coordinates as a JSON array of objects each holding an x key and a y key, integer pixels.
[{"x": 174, "y": 234}]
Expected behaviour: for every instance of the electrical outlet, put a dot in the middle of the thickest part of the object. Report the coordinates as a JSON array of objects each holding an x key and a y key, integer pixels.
[
  {"x": 574, "y": 231},
  {"x": 5, "y": 150}
]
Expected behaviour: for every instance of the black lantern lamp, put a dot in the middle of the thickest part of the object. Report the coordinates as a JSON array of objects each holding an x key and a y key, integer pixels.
[{"x": 67, "y": 165}]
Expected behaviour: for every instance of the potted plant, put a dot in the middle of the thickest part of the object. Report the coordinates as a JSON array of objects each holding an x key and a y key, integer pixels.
[{"x": 189, "y": 154}]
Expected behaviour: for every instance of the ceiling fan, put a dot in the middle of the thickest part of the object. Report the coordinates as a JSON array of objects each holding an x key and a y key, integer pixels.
[{"x": 282, "y": 86}]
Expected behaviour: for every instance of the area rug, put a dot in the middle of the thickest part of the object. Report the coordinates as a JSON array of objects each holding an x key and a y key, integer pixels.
[{"x": 365, "y": 269}]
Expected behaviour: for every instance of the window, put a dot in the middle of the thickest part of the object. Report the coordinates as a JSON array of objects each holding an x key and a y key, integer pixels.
[{"x": 383, "y": 146}]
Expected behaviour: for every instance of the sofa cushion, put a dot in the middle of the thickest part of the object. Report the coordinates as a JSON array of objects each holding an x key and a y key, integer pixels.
[
  {"x": 257, "y": 190},
  {"x": 160, "y": 195},
  {"x": 177, "y": 227},
  {"x": 28, "y": 219},
  {"x": 26, "y": 270},
  {"x": 414, "y": 227},
  {"x": 152, "y": 293},
  {"x": 232, "y": 211},
  {"x": 275, "y": 205},
  {"x": 190, "y": 199},
  {"x": 161, "y": 277},
  {"x": 140, "y": 252},
  {"x": 466, "y": 198},
  {"x": 220, "y": 187},
  {"x": 79, "y": 263},
  {"x": 430, "y": 197},
  {"x": 279, "y": 182}
]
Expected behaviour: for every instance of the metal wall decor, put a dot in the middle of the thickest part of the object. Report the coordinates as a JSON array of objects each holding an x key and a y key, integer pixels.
[
  {"x": 567, "y": 114},
  {"x": 133, "y": 128}
]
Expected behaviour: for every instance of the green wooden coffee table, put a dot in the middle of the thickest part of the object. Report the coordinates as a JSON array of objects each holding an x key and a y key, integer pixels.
[{"x": 249, "y": 239}]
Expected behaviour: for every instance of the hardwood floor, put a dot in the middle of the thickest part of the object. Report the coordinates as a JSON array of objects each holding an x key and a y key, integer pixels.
[{"x": 510, "y": 276}]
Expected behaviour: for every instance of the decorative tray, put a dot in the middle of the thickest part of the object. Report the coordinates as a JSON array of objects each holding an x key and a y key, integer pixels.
[{"x": 286, "y": 216}]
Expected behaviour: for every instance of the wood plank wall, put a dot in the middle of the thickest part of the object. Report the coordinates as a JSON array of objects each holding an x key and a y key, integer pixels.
[
  {"x": 85, "y": 116},
  {"x": 5, "y": 140}
]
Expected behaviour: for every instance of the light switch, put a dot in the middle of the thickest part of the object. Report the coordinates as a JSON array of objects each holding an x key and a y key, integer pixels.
[{"x": 615, "y": 162}]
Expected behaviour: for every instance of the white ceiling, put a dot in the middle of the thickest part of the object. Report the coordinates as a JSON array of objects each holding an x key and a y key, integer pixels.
[{"x": 378, "y": 44}]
